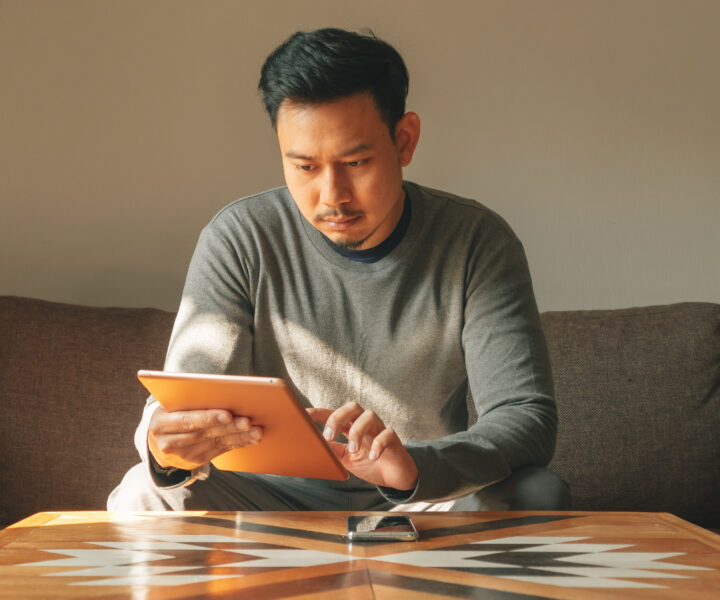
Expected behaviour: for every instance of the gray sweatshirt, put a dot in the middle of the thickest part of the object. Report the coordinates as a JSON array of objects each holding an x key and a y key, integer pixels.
[{"x": 448, "y": 311}]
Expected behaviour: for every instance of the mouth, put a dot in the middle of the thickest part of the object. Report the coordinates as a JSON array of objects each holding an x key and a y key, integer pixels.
[{"x": 340, "y": 223}]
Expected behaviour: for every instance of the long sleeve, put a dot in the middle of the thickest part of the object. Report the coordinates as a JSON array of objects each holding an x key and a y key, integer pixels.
[
  {"x": 213, "y": 328},
  {"x": 509, "y": 376}
]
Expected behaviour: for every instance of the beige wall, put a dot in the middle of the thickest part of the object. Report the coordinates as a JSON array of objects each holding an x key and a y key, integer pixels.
[{"x": 592, "y": 127}]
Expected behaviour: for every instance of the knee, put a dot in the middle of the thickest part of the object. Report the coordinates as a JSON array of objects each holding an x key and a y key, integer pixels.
[
  {"x": 543, "y": 489},
  {"x": 136, "y": 492},
  {"x": 529, "y": 488}
]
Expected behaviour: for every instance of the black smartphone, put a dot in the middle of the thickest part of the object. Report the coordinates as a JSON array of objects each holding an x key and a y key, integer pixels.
[{"x": 381, "y": 528}]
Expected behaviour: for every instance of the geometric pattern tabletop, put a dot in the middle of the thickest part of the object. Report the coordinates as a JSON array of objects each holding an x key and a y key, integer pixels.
[{"x": 304, "y": 555}]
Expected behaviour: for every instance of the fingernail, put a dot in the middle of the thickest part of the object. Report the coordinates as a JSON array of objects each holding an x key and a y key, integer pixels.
[
  {"x": 372, "y": 455},
  {"x": 328, "y": 433},
  {"x": 255, "y": 434},
  {"x": 352, "y": 446},
  {"x": 223, "y": 418}
]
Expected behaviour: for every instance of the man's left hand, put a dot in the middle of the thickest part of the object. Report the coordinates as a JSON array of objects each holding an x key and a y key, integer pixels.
[{"x": 373, "y": 452}]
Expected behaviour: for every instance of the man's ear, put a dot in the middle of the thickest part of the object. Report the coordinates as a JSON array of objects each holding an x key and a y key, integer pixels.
[{"x": 407, "y": 134}]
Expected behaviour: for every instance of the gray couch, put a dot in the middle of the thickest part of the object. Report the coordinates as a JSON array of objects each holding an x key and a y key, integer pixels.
[{"x": 638, "y": 393}]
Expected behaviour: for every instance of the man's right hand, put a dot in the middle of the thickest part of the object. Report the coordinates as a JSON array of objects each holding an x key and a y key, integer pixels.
[{"x": 190, "y": 439}]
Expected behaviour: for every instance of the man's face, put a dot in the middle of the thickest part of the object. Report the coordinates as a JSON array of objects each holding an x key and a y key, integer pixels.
[{"x": 343, "y": 168}]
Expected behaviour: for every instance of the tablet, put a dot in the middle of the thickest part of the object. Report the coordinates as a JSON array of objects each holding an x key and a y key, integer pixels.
[{"x": 291, "y": 442}]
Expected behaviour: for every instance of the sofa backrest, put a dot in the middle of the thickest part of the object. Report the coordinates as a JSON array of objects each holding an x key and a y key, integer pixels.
[
  {"x": 638, "y": 393},
  {"x": 70, "y": 400}
]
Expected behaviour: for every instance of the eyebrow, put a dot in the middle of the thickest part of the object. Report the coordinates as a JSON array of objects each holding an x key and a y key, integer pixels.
[{"x": 354, "y": 150}]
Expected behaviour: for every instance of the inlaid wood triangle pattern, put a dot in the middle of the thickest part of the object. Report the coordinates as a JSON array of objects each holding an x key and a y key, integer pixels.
[{"x": 306, "y": 555}]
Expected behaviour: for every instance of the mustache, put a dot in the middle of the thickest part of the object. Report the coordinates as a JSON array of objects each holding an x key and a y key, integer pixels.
[{"x": 335, "y": 214}]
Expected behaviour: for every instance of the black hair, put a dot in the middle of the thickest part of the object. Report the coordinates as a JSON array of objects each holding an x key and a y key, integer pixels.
[{"x": 329, "y": 64}]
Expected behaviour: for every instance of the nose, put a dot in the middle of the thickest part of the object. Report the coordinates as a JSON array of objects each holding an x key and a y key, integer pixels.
[{"x": 335, "y": 188}]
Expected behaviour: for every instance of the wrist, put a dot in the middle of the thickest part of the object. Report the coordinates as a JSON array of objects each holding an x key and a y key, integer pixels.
[{"x": 407, "y": 482}]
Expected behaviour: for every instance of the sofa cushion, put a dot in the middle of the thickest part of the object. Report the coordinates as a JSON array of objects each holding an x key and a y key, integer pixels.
[
  {"x": 70, "y": 400},
  {"x": 638, "y": 394}
]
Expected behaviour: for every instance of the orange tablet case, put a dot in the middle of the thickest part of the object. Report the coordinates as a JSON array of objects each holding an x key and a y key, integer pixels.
[{"x": 291, "y": 443}]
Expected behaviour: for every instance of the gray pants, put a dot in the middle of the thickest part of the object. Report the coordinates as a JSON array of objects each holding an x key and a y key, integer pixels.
[{"x": 530, "y": 488}]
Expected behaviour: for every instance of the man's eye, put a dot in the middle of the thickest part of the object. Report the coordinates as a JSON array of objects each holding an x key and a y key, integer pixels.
[
  {"x": 304, "y": 167},
  {"x": 356, "y": 163}
]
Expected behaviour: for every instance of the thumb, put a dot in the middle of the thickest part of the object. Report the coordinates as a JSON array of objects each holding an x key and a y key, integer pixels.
[{"x": 338, "y": 449}]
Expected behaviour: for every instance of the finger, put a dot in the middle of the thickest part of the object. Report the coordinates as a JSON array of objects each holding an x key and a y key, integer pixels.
[
  {"x": 238, "y": 424},
  {"x": 367, "y": 424},
  {"x": 338, "y": 449},
  {"x": 362, "y": 449},
  {"x": 201, "y": 453},
  {"x": 341, "y": 419},
  {"x": 186, "y": 448},
  {"x": 184, "y": 421},
  {"x": 319, "y": 415},
  {"x": 235, "y": 434},
  {"x": 251, "y": 437},
  {"x": 384, "y": 440},
  {"x": 189, "y": 436},
  {"x": 179, "y": 451}
]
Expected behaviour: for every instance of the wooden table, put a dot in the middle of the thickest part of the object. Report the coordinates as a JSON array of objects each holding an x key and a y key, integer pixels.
[{"x": 266, "y": 555}]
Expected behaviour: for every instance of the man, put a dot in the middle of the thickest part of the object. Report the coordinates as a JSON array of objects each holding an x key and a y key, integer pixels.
[{"x": 378, "y": 300}]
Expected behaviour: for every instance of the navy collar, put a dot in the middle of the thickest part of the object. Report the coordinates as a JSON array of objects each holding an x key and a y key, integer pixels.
[{"x": 374, "y": 254}]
